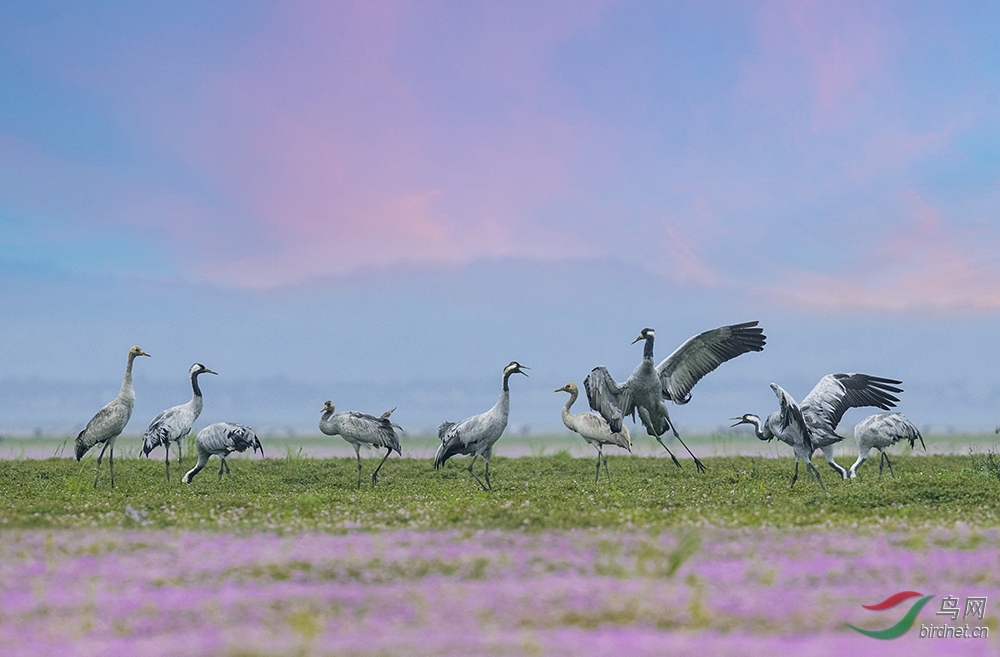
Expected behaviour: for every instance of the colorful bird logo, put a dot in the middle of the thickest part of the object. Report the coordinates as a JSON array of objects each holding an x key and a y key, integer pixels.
[{"x": 904, "y": 623}]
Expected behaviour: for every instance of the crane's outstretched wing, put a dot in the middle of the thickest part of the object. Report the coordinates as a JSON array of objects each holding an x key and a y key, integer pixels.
[
  {"x": 824, "y": 407},
  {"x": 703, "y": 353},
  {"x": 608, "y": 397},
  {"x": 791, "y": 415}
]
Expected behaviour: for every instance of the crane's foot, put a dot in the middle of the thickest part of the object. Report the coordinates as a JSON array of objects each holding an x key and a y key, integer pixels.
[{"x": 701, "y": 467}]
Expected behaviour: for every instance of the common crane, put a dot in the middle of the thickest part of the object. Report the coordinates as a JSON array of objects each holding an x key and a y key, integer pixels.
[
  {"x": 360, "y": 429},
  {"x": 110, "y": 421},
  {"x": 477, "y": 435},
  {"x": 812, "y": 424},
  {"x": 174, "y": 424},
  {"x": 649, "y": 387},
  {"x": 593, "y": 428},
  {"x": 880, "y": 431},
  {"x": 222, "y": 438}
]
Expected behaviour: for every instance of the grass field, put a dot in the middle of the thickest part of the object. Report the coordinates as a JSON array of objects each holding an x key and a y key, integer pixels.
[
  {"x": 535, "y": 493},
  {"x": 288, "y": 557}
]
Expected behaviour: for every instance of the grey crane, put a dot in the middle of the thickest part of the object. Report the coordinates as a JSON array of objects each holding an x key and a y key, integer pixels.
[
  {"x": 110, "y": 421},
  {"x": 174, "y": 424},
  {"x": 222, "y": 438},
  {"x": 476, "y": 435},
  {"x": 880, "y": 431},
  {"x": 360, "y": 429},
  {"x": 594, "y": 429},
  {"x": 649, "y": 387},
  {"x": 812, "y": 424}
]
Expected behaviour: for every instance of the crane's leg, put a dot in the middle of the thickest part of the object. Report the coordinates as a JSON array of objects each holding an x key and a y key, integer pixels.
[
  {"x": 676, "y": 462},
  {"x": 889, "y": 463},
  {"x": 222, "y": 465},
  {"x": 697, "y": 463},
  {"x": 111, "y": 463},
  {"x": 180, "y": 454},
  {"x": 357, "y": 452},
  {"x": 228, "y": 471},
  {"x": 597, "y": 476},
  {"x": 812, "y": 468},
  {"x": 166, "y": 448},
  {"x": 605, "y": 457},
  {"x": 828, "y": 455},
  {"x": 481, "y": 484},
  {"x": 853, "y": 472},
  {"x": 881, "y": 464},
  {"x": 375, "y": 474},
  {"x": 795, "y": 477},
  {"x": 100, "y": 456},
  {"x": 487, "y": 457}
]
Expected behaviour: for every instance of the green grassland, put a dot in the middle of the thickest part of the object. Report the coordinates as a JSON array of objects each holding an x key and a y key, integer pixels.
[{"x": 557, "y": 491}]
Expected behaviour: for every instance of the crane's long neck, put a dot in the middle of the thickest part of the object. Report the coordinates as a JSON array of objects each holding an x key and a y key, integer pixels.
[
  {"x": 194, "y": 384},
  {"x": 196, "y": 400},
  {"x": 758, "y": 428},
  {"x": 325, "y": 423},
  {"x": 647, "y": 350},
  {"x": 569, "y": 404},
  {"x": 127, "y": 390},
  {"x": 506, "y": 377},
  {"x": 503, "y": 404}
]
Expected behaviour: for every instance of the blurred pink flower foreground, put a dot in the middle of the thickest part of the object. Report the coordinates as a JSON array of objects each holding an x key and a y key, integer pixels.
[{"x": 713, "y": 592}]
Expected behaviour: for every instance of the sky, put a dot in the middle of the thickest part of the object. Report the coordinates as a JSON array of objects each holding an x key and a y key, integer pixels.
[{"x": 384, "y": 203}]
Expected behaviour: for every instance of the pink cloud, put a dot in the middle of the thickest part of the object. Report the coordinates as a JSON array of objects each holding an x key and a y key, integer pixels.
[
  {"x": 815, "y": 54},
  {"x": 331, "y": 158},
  {"x": 921, "y": 264}
]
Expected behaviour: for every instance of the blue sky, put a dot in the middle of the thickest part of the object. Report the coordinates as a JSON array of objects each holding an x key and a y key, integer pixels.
[{"x": 384, "y": 203}]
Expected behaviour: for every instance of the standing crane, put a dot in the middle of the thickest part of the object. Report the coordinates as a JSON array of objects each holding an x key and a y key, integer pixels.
[
  {"x": 594, "y": 429},
  {"x": 476, "y": 435},
  {"x": 222, "y": 438},
  {"x": 880, "y": 431},
  {"x": 360, "y": 429},
  {"x": 174, "y": 424},
  {"x": 110, "y": 421},
  {"x": 649, "y": 387},
  {"x": 813, "y": 424}
]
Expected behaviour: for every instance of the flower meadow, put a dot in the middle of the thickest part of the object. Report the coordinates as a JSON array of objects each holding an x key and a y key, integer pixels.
[{"x": 490, "y": 592}]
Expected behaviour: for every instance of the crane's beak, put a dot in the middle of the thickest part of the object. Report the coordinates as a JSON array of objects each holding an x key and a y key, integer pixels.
[
  {"x": 208, "y": 371},
  {"x": 641, "y": 337},
  {"x": 143, "y": 353},
  {"x": 521, "y": 369},
  {"x": 739, "y": 421}
]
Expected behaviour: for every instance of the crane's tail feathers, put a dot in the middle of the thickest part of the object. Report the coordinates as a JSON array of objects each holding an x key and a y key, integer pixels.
[
  {"x": 155, "y": 436},
  {"x": 81, "y": 445},
  {"x": 443, "y": 429},
  {"x": 445, "y": 452},
  {"x": 621, "y": 440},
  {"x": 439, "y": 457}
]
